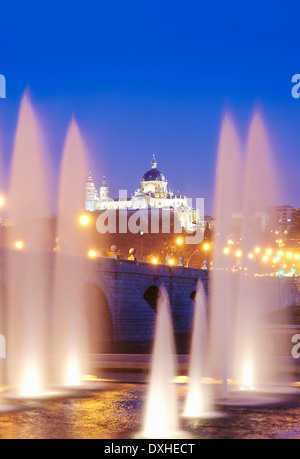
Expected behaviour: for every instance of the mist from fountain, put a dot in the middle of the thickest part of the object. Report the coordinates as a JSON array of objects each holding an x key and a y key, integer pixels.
[
  {"x": 199, "y": 399},
  {"x": 223, "y": 283},
  {"x": 28, "y": 204},
  {"x": 260, "y": 191},
  {"x": 68, "y": 334},
  {"x": 238, "y": 298},
  {"x": 161, "y": 411}
]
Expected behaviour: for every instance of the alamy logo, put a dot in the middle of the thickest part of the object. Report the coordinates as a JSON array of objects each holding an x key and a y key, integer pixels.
[
  {"x": 296, "y": 87},
  {"x": 2, "y": 347},
  {"x": 296, "y": 347},
  {"x": 2, "y": 87},
  {"x": 152, "y": 220}
]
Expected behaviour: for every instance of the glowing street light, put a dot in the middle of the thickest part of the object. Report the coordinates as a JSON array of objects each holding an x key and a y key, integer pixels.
[
  {"x": 206, "y": 247},
  {"x": 257, "y": 249},
  {"x": 238, "y": 253},
  {"x": 19, "y": 245},
  {"x": 169, "y": 260},
  {"x": 154, "y": 261},
  {"x": 179, "y": 241},
  {"x": 92, "y": 253},
  {"x": 84, "y": 220},
  {"x": 2, "y": 201},
  {"x": 226, "y": 250}
]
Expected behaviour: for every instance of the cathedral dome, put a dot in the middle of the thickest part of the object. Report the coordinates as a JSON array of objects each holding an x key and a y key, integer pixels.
[{"x": 153, "y": 175}]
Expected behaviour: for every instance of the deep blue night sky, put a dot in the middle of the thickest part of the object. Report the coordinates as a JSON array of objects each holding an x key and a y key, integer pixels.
[{"x": 153, "y": 76}]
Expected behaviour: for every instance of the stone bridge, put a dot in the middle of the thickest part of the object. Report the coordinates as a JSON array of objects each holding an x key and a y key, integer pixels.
[{"x": 119, "y": 300}]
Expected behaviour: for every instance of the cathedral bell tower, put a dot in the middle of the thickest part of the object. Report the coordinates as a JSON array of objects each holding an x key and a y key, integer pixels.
[
  {"x": 90, "y": 194},
  {"x": 104, "y": 190}
]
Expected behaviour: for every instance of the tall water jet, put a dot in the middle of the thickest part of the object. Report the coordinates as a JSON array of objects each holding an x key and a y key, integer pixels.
[
  {"x": 227, "y": 201},
  {"x": 28, "y": 205},
  {"x": 68, "y": 332},
  {"x": 2, "y": 294},
  {"x": 199, "y": 399},
  {"x": 161, "y": 414},
  {"x": 260, "y": 191}
]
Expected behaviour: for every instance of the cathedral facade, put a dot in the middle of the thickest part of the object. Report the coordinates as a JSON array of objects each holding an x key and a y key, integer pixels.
[{"x": 153, "y": 193}]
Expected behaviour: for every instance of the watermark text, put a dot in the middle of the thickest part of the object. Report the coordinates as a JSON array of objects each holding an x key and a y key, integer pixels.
[
  {"x": 2, "y": 87},
  {"x": 2, "y": 347},
  {"x": 296, "y": 86},
  {"x": 296, "y": 347},
  {"x": 154, "y": 220}
]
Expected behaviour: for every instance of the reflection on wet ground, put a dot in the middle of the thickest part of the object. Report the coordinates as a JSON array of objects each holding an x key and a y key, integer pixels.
[
  {"x": 117, "y": 412},
  {"x": 100, "y": 414}
]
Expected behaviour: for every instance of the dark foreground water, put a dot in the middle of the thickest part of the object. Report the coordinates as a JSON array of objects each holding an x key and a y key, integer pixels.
[{"x": 115, "y": 411}]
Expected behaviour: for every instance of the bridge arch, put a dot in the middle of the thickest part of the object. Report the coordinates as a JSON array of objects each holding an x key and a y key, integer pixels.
[
  {"x": 193, "y": 295},
  {"x": 151, "y": 296},
  {"x": 98, "y": 318}
]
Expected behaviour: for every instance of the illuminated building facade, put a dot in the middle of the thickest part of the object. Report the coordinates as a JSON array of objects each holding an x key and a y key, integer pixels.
[
  {"x": 283, "y": 218},
  {"x": 153, "y": 193}
]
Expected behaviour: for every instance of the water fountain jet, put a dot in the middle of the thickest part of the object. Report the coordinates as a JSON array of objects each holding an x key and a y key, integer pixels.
[
  {"x": 161, "y": 413},
  {"x": 260, "y": 191},
  {"x": 199, "y": 398},
  {"x": 68, "y": 331},
  {"x": 223, "y": 288},
  {"x": 28, "y": 205}
]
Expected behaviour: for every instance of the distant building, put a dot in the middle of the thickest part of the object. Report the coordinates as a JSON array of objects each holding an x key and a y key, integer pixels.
[
  {"x": 209, "y": 222},
  {"x": 259, "y": 222},
  {"x": 153, "y": 193},
  {"x": 283, "y": 218}
]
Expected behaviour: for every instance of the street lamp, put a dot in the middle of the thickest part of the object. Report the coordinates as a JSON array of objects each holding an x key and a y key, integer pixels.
[
  {"x": 187, "y": 263},
  {"x": 19, "y": 245},
  {"x": 169, "y": 260},
  {"x": 84, "y": 220},
  {"x": 142, "y": 232}
]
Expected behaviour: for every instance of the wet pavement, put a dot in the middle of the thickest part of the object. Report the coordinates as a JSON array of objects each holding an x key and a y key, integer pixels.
[{"x": 114, "y": 410}]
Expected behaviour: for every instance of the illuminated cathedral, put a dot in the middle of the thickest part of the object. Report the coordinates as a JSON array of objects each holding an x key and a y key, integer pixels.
[{"x": 153, "y": 193}]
